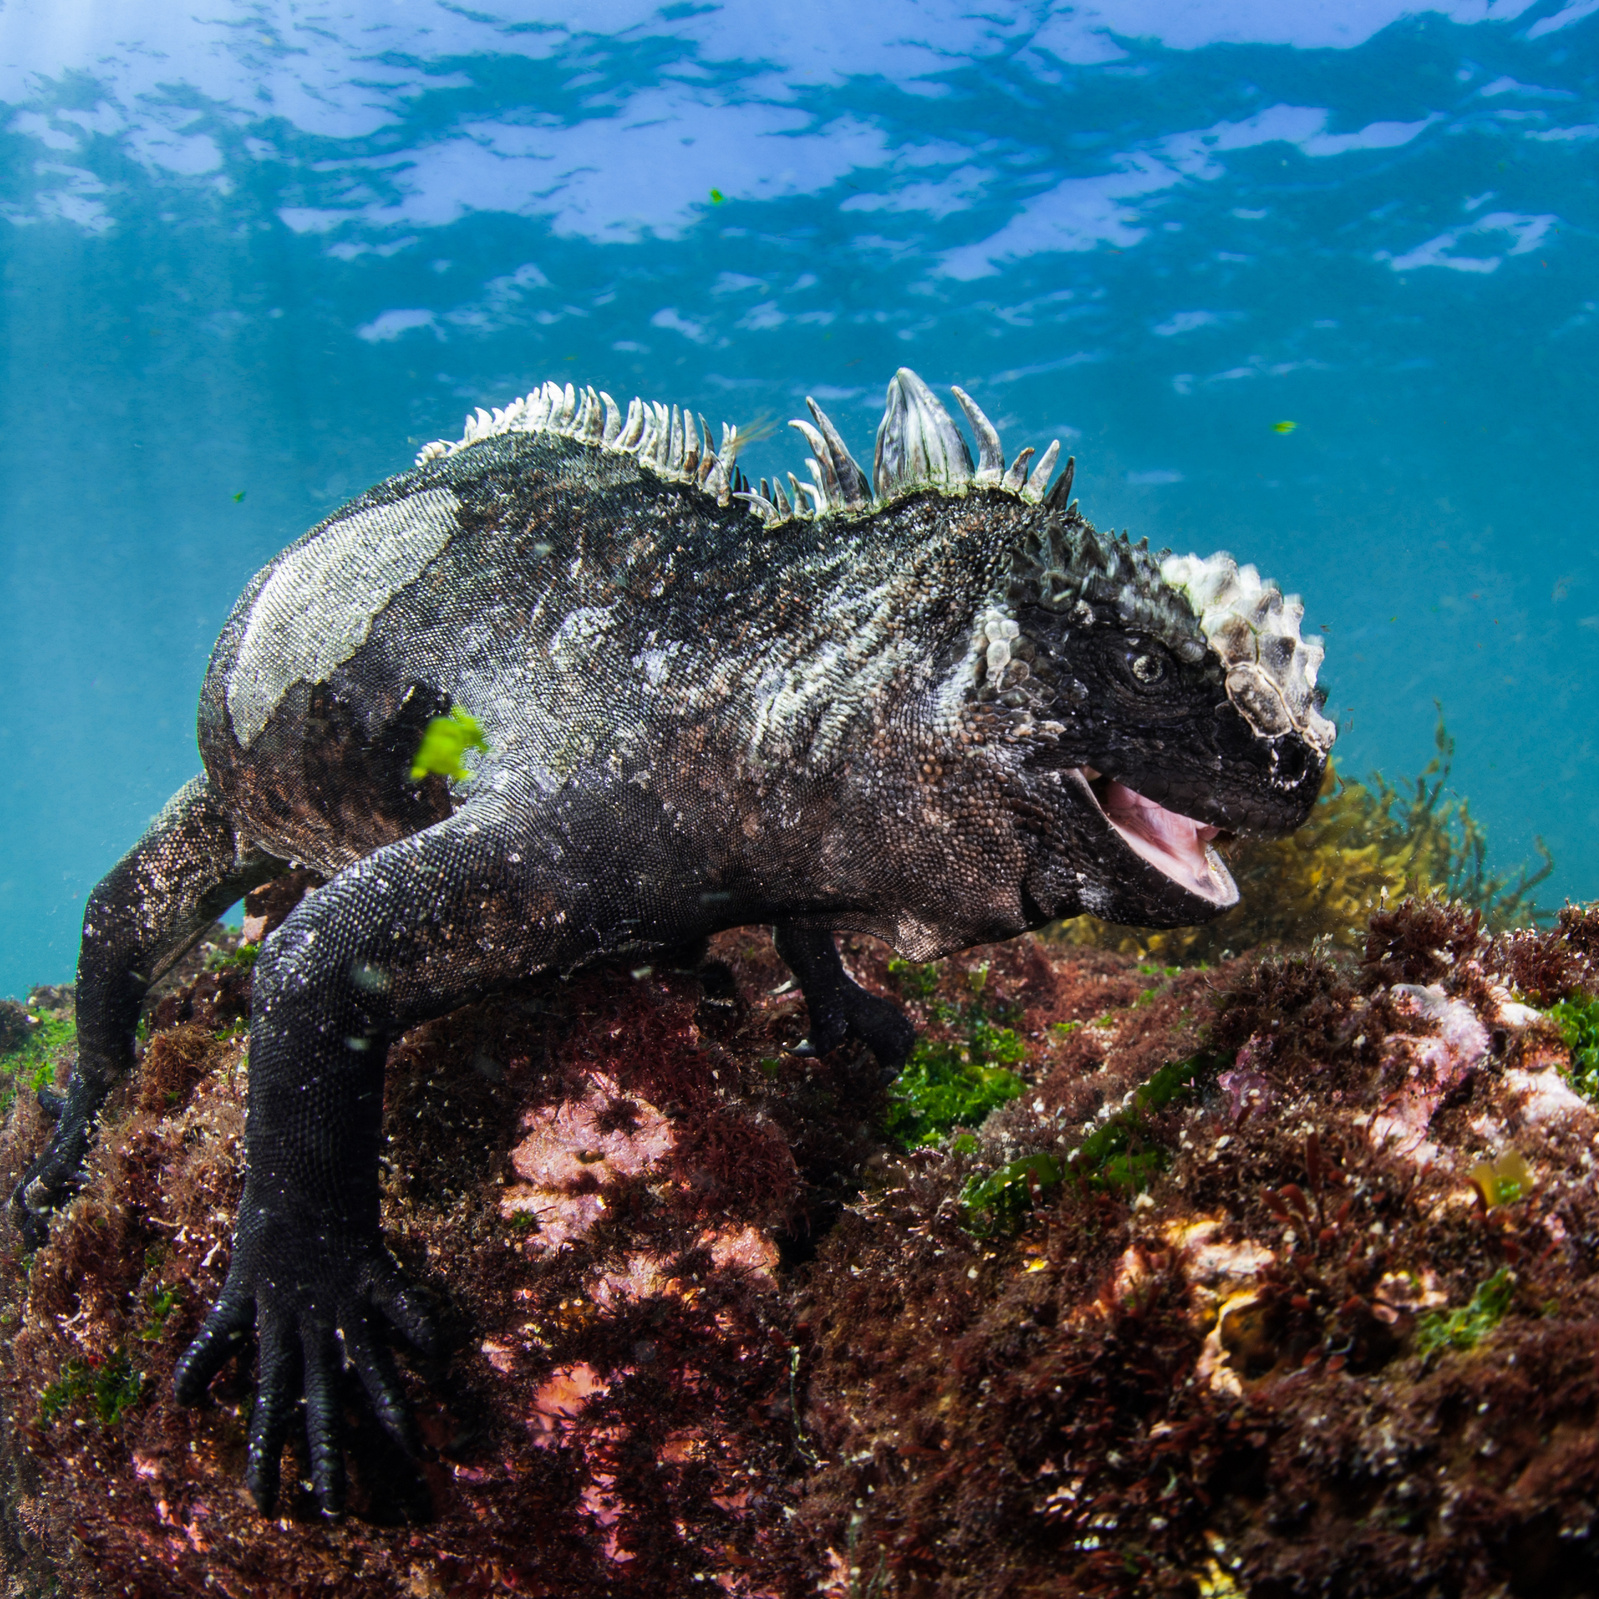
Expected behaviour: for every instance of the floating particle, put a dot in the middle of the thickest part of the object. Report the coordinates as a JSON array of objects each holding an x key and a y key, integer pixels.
[
  {"x": 239, "y": 496},
  {"x": 717, "y": 197},
  {"x": 1283, "y": 427}
]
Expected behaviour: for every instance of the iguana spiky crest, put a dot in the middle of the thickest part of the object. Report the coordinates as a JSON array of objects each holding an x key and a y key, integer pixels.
[{"x": 1066, "y": 565}]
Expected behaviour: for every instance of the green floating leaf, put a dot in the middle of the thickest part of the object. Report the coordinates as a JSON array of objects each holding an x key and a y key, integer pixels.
[{"x": 446, "y": 740}]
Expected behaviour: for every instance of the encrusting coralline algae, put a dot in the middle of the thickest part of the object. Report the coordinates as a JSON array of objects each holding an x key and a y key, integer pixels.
[{"x": 705, "y": 1327}]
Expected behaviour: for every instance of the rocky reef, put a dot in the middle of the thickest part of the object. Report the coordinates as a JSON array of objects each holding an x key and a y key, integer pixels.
[{"x": 1273, "y": 1277}]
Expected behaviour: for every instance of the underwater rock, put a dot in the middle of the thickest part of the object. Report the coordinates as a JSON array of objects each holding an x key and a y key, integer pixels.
[
  {"x": 1187, "y": 1312},
  {"x": 598, "y": 1179},
  {"x": 1428, "y": 1066},
  {"x": 267, "y": 907},
  {"x": 16, "y": 1025}
]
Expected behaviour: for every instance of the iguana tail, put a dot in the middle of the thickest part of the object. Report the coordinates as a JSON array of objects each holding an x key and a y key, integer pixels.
[{"x": 189, "y": 867}]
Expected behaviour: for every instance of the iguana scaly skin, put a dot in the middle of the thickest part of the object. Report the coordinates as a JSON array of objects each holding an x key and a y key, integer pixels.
[{"x": 942, "y": 713}]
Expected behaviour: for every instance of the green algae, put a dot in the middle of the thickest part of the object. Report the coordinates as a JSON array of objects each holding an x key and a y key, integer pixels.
[
  {"x": 950, "y": 1083},
  {"x": 32, "y": 1064},
  {"x": 1120, "y": 1156},
  {"x": 916, "y": 980},
  {"x": 1467, "y": 1327},
  {"x": 161, "y": 1304},
  {"x": 1503, "y": 1181},
  {"x": 241, "y": 959},
  {"x": 1578, "y": 1020},
  {"x": 999, "y": 1202},
  {"x": 111, "y": 1388}
]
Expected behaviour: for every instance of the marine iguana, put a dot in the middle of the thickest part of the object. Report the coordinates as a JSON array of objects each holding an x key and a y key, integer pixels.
[{"x": 939, "y": 708}]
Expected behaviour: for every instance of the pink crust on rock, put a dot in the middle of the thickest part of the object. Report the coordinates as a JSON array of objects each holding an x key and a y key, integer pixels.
[
  {"x": 1433, "y": 1064},
  {"x": 572, "y": 1149},
  {"x": 642, "y": 1274}
]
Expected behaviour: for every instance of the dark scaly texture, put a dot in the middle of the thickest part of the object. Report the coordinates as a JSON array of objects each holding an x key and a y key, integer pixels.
[{"x": 942, "y": 716}]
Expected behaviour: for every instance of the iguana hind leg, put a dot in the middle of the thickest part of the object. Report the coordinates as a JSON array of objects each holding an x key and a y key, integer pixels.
[
  {"x": 189, "y": 867},
  {"x": 840, "y": 1008}
]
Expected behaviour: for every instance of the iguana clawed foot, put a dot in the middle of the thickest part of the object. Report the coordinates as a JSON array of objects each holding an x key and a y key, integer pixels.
[
  {"x": 318, "y": 1299},
  {"x": 54, "y": 1176},
  {"x": 840, "y": 1008}
]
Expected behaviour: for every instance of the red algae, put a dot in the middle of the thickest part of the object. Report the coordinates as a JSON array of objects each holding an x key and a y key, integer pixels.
[{"x": 706, "y": 1330}]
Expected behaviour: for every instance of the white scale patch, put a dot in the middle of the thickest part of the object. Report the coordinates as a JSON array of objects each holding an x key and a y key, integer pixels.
[{"x": 318, "y": 607}]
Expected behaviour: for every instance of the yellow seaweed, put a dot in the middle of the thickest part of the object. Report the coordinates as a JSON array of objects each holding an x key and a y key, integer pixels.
[{"x": 1364, "y": 846}]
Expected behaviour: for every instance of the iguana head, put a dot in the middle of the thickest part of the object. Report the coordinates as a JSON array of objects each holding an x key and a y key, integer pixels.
[{"x": 1168, "y": 699}]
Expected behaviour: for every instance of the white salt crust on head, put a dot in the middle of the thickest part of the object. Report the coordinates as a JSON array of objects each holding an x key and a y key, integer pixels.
[{"x": 1254, "y": 630}]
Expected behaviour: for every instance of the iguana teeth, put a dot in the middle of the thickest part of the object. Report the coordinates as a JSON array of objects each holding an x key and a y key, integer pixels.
[
  {"x": 568, "y": 408},
  {"x": 991, "y": 458},
  {"x": 1016, "y": 478},
  {"x": 1033, "y": 489},
  {"x": 717, "y": 483},
  {"x": 612, "y": 430},
  {"x": 780, "y": 500}
]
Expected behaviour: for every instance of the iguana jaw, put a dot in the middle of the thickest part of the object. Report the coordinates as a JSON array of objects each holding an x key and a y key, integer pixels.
[{"x": 1176, "y": 846}]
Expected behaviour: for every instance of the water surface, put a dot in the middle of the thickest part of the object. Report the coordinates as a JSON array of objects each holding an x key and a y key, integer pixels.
[{"x": 254, "y": 254}]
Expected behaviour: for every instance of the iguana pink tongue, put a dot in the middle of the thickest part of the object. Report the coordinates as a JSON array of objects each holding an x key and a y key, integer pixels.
[{"x": 1173, "y": 844}]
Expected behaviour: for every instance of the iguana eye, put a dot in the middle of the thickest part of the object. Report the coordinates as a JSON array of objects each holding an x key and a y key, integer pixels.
[{"x": 1148, "y": 668}]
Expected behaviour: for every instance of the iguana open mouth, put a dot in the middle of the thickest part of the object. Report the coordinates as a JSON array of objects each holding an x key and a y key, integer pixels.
[{"x": 1175, "y": 845}]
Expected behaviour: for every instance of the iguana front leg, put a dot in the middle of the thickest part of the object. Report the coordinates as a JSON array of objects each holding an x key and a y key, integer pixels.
[
  {"x": 840, "y": 1008},
  {"x": 410, "y": 932}
]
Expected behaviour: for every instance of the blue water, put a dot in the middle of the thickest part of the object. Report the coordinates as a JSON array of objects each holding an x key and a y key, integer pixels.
[{"x": 255, "y": 254}]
